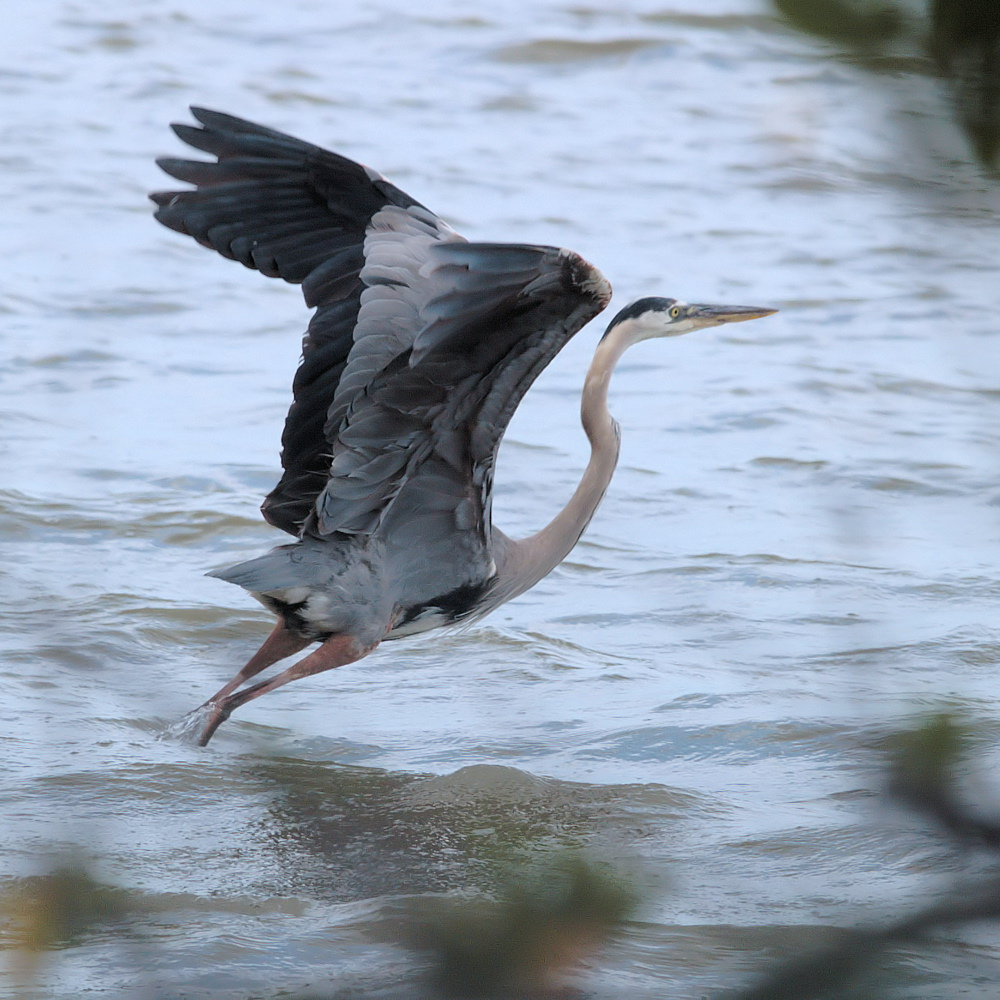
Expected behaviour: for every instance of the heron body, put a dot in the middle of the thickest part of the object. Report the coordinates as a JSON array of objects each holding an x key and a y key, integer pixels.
[{"x": 420, "y": 349}]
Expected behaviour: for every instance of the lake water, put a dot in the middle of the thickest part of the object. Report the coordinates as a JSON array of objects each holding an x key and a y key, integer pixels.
[{"x": 799, "y": 550}]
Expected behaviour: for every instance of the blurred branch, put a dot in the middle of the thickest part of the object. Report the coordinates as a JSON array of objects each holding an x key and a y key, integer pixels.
[
  {"x": 922, "y": 775},
  {"x": 828, "y": 972}
]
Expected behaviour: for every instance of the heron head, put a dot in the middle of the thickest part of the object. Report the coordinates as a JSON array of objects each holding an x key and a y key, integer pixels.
[{"x": 660, "y": 317}]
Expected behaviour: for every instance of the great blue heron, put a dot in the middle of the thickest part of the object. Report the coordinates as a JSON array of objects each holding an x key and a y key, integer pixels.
[{"x": 421, "y": 347}]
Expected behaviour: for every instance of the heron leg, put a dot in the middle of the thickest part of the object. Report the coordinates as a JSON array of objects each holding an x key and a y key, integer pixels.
[
  {"x": 280, "y": 643},
  {"x": 335, "y": 652}
]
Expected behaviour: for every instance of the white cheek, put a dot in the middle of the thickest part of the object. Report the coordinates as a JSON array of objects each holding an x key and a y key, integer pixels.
[
  {"x": 656, "y": 325},
  {"x": 679, "y": 327}
]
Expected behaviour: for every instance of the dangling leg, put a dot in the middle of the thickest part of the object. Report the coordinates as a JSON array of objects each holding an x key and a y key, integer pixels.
[
  {"x": 335, "y": 652},
  {"x": 280, "y": 643}
]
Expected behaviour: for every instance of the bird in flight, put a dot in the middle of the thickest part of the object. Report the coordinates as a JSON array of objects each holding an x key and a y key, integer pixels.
[{"x": 419, "y": 351}]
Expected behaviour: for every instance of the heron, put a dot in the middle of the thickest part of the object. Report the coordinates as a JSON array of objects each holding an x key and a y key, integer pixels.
[{"x": 421, "y": 347}]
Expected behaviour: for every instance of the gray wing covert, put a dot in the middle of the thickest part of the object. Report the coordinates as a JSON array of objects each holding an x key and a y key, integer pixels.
[
  {"x": 294, "y": 211},
  {"x": 413, "y": 445}
]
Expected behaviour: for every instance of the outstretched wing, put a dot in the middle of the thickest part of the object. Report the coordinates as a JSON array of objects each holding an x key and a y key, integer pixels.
[
  {"x": 413, "y": 450},
  {"x": 420, "y": 350},
  {"x": 295, "y": 211}
]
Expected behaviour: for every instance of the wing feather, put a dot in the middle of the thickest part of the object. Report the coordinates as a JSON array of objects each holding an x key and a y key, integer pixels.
[
  {"x": 294, "y": 211},
  {"x": 419, "y": 351},
  {"x": 421, "y": 434}
]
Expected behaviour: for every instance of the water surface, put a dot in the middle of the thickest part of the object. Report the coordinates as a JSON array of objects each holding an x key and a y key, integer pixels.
[{"x": 799, "y": 549}]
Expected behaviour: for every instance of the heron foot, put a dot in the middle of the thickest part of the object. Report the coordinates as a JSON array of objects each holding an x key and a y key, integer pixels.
[
  {"x": 334, "y": 652},
  {"x": 218, "y": 716}
]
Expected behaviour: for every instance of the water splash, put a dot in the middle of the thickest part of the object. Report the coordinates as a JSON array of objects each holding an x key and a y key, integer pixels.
[{"x": 189, "y": 727}]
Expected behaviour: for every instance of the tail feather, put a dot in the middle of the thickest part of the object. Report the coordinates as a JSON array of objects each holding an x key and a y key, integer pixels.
[{"x": 280, "y": 569}]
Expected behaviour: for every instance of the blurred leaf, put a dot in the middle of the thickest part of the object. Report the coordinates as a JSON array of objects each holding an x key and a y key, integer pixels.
[
  {"x": 923, "y": 759},
  {"x": 44, "y": 912},
  {"x": 48, "y": 911},
  {"x": 869, "y": 26},
  {"x": 520, "y": 945}
]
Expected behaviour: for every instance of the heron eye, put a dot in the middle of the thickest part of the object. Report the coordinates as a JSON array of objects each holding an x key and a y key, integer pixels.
[{"x": 674, "y": 312}]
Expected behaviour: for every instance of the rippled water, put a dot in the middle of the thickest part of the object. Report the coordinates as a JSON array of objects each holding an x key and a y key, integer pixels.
[{"x": 800, "y": 547}]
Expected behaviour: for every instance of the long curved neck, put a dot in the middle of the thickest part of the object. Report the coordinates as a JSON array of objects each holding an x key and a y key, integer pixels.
[{"x": 529, "y": 559}]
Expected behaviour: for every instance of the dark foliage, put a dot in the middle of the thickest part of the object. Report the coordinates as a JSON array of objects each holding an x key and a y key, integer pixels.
[
  {"x": 958, "y": 39},
  {"x": 923, "y": 775}
]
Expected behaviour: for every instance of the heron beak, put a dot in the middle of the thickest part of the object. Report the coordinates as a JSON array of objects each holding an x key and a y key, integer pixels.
[{"x": 728, "y": 314}]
